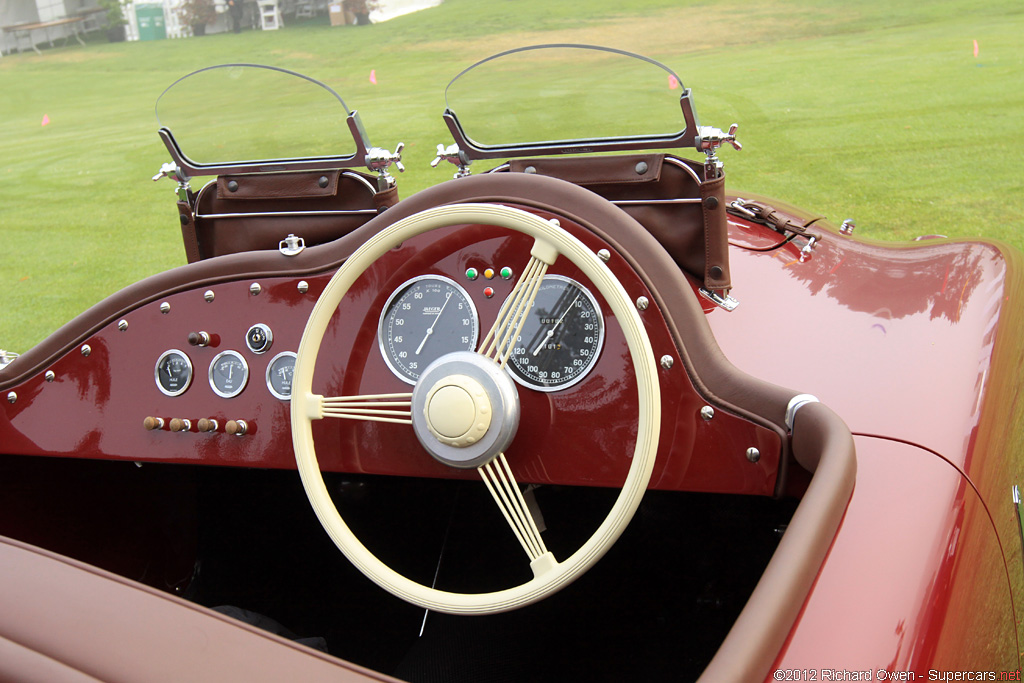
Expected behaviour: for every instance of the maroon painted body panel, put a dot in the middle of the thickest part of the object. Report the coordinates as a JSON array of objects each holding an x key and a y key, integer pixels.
[
  {"x": 919, "y": 344},
  {"x": 114, "y": 386},
  {"x": 917, "y": 347}
]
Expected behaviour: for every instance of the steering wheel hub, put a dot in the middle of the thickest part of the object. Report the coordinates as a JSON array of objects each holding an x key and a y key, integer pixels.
[
  {"x": 457, "y": 411},
  {"x": 465, "y": 409}
]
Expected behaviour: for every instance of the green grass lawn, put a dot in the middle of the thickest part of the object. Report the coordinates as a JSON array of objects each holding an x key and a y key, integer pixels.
[{"x": 877, "y": 110}]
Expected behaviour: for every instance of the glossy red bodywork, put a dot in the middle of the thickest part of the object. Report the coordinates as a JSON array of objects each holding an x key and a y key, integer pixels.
[
  {"x": 103, "y": 398},
  {"x": 919, "y": 349}
]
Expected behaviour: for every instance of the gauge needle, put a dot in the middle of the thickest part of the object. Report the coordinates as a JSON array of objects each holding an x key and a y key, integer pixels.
[
  {"x": 430, "y": 330},
  {"x": 551, "y": 332}
]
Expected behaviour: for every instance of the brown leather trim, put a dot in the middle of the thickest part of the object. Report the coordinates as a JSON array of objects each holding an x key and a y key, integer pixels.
[
  {"x": 823, "y": 445},
  {"x": 632, "y": 168},
  {"x": 18, "y": 663},
  {"x": 386, "y": 199},
  {"x": 716, "y": 235},
  {"x": 293, "y": 185},
  {"x": 114, "y": 629},
  {"x": 188, "y": 232}
]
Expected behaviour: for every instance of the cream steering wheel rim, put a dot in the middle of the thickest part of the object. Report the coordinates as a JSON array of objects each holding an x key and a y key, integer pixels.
[{"x": 305, "y": 407}]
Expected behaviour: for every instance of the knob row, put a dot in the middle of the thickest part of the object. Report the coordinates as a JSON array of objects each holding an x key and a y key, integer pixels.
[{"x": 208, "y": 425}]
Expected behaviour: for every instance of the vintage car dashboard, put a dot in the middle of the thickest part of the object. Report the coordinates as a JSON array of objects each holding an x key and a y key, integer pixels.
[{"x": 197, "y": 368}]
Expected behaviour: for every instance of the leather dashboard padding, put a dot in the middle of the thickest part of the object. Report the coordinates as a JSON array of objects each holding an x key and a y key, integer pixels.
[
  {"x": 77, "y": 623},
  {"x": 264, "y": 208},
  {"x": 695, "y": 234}
]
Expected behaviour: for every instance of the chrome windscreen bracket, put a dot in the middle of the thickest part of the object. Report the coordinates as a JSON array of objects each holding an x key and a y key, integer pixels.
[
  {"x": 173, "y": 171},
  {"x": 722, "y": 299}
]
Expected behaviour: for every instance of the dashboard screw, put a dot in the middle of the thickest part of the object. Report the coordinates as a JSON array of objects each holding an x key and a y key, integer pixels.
[
  {"x": 208, "y": 295},
  {"x": 707, "y": 412},
  {"x": 642, "y": 303},
  {"x": 667, "y": 362},
  {"x": 12, "y": 397},
  {"x": 604, "y": 255},
  {"x": 255, "y": 288},
  {"x": 753, "y": 455}
]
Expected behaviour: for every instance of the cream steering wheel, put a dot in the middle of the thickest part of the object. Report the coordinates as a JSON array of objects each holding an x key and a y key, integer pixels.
[{"x": 472, "y": 392}]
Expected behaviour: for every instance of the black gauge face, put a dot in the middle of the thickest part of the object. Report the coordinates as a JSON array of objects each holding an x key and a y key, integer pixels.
[
  {"x": 279, "y": 375},
  {"x": 561, "y": 339},
  {"x": 173, "y": 372},
  {"x": 423, "y": 320},
  {"x": 228, "y": 374}
]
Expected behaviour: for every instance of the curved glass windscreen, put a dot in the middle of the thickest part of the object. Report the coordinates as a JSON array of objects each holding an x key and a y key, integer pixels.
[
  {"x": 247, "y": 112},
  {"x": 563, "y": 93}
]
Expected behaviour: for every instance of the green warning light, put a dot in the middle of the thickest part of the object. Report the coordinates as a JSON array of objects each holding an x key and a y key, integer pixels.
[
  {"x": 506, "y": 273},
  {"x": 472, "y": 273}
]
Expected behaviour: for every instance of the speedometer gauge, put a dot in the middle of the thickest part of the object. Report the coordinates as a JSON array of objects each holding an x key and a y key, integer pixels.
[
  {"x": 561, "y": 339},
  {"x": 423, "y": 320}
]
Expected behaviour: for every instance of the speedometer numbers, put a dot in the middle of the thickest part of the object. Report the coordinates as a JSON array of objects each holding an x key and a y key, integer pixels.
[
  {"x": 561, "y": 339},
  {"x": 423, "y": 320}
]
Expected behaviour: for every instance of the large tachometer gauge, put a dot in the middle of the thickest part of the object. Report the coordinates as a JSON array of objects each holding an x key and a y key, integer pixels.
[
  {"x": 423, "y": 320},
  {"x": 561, "y": 339}
]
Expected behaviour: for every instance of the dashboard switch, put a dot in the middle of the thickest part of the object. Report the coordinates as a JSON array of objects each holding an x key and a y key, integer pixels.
[{"x": 236, "y": 427}]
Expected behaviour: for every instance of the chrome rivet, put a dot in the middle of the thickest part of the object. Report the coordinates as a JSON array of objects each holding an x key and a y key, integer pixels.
[
  {"x": 50, "y": 375},
  {"x": 233, "y": 186},
  {"x": 12, "y": 397},
  {"x": 323, "y": 182},
  {"x": 530, "y": 169},
  {"x": 753, "y": 455},
  {"x": 707, "y": 412},
  {"x": 642, "y": 303},
  {"x": 604, "y": 255},
  {"x": 86, "y": 349},
  {"x": 255, "y": 288},
  {"x": 641, "y": 168},
  {"x": 667, "y": 362},
  {"x": 303, "y": 286},
  {"x": 122, "y": 325},
  {"x": 165, "y": 308},
  {"x": 208, "y": 295}
]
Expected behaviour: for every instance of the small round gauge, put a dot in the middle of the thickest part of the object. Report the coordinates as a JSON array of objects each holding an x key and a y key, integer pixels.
[
  {"x": 561, "y": 339},
  {"x": 423, "y": 320},
  {"x": 279, "y": 375},
  {"x": 173, "y": 372},
  {"x": 228, "y": 374}
]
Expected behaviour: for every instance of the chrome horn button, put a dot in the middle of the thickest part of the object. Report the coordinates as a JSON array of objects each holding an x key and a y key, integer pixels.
[{"x": 465, "y": 409}]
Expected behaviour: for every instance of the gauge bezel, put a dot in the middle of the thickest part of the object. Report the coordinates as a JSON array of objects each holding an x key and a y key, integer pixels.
[
  {"x": 548, "y": 388},
  {"x": 387, "y": 307},
  {"x": 245, "y": 369},
  {"x": 156, "y": 372},
  {"x": 270, "y": 368}
]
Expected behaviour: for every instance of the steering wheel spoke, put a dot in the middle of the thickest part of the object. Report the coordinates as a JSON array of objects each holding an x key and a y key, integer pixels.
[
  {"x": 502, "y": 336},
  {"x": 503, "y": 487},
  {"x": 395, "y": 408}
]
